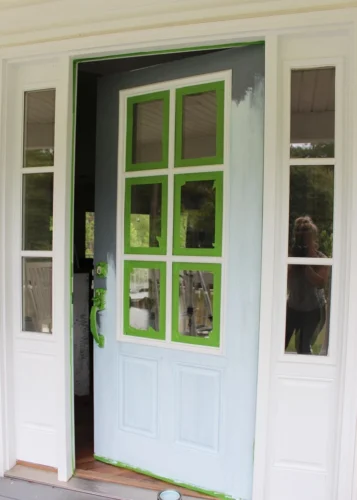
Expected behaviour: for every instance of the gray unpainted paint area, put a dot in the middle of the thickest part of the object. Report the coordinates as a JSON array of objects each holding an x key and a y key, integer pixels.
[{"x": 242, "y": 299}]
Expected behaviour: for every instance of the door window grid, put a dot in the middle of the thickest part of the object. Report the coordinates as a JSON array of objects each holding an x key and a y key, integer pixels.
[
  {"x": 311, "y": 209},
  {"x": 207, "y": 283},
  {"x": 37, "y": 171}
]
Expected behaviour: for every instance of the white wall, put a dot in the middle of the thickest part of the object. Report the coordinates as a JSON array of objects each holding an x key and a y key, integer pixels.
[{"x": 33, "y": 21}]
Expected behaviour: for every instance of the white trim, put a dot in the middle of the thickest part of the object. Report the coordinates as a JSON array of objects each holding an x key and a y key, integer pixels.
[
  {"x": 271, "y": 135},
  {"x": 62, "y": 259},
  {"x": 308, "y": 162},
  {"x": 346, "y": 472},
  {"x": 171, "y": 86},
  {"x": 36, "y": 253},
  {"x": 38, "y": 170},
  {"x": 178, "y": 170},
  {"x": 180, "y": 83},
  {"x": 231, "y": 30},
  {"x": 309, "y": 261}
]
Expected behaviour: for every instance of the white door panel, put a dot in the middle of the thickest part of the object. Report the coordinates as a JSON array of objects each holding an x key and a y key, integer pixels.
[{"x": 185, "y": 412}]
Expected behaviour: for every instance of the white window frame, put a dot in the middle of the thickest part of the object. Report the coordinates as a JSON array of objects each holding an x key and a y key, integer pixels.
[{"x": 171, "y": 170}]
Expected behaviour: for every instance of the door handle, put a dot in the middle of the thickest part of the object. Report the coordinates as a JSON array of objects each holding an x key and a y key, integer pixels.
[{"x": 98, "y": 305}]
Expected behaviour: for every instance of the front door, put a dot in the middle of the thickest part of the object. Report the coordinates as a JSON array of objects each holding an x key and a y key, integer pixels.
[{"x": 179, "y": 174}]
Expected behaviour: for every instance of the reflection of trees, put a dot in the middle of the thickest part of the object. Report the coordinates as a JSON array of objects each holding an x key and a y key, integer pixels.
[
  {"x": 39, "y": 158},
  {"x": 322, "y": 150},
  {"x": 38, "y": 203}
]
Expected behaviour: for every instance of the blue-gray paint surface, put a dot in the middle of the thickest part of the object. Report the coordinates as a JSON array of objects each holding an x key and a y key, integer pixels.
[{"x": 244, "y": 250}]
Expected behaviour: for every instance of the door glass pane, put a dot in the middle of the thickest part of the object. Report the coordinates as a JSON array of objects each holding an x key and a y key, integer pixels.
[
  {"x": 37, "y": 295},
  {"x": 197, "y": 214},
  {"x": 308, "y": 309},
  {"x": 311, "y": 211},
  {"x": 199, "y": 125},
  {"x": 144, "y": 313},
  {"x": 196, "y": 296},
  {"x": 312, "y": 113},
  {"x": 145, "y": 216},
  {"x": 37, "y": 211},
  {"x": 148, "y": 130},
  {"x": 39, "y": 128}
]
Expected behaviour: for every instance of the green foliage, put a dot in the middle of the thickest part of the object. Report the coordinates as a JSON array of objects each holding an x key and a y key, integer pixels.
[
  {"x": 140, "y": 230},
  {"x": 38, "y": 211},
  {"x": 39, "y": 158},
  {"x": 321, "y": 150},
  {"x": 90, "y": 222}
]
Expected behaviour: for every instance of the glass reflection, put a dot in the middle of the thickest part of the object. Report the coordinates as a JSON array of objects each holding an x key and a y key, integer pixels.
[
  {"x": 145, "y": 215},
  {"x": 196, "y": 303},
  {"x": 312, "y": 113},
  {"x": 37, "y": 211},
  {"x": 199, "y": 125},
  {"x": 312, "y": 193},
  {"x": 197, "y": 218},
  {"x": 39, "y": 128},
  {"x": 37, "y": 295},
  {"x": 307, "y": 311},
  {"x": 148, "y": 126},
  {"x": 144, "y": 292}
]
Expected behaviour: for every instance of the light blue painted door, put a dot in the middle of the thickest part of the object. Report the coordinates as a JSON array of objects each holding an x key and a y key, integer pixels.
[{"x": 174, "y": 410}]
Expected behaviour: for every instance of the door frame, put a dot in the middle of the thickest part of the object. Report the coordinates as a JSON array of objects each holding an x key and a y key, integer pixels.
[{"x": 271, "y": 30}]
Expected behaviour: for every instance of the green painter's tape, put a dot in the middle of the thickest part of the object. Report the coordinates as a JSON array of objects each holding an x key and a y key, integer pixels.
[
  {"x": 98, "y": 305},
  {"x": 101, "y": 270},
  {"x": 187, "y": 486}
]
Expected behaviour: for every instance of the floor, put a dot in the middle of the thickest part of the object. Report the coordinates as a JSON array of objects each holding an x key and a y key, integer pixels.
[
  {"x": 88, "y": 468},
  {"x": 13, "y": 489}
]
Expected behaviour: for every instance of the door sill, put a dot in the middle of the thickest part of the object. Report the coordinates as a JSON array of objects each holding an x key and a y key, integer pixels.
[{"x": 105, "y": 489}]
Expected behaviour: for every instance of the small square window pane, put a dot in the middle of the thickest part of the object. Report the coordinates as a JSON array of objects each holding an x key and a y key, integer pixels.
[
  {"x": 145, "y": 215},
  {"x": 311, "y": 211},
  {"x": 148, "y": 130},
  {"x": 196, "y": 296},
  {"x": 145, "y": 294},
  {"x": 308, "y": 310},
  {"x": 198, "y": 214},
  {"x": 39, "y": 128},
  {"x": 37, "y": 209},
  {"x": 37, "y": 295},
  {"x": 199, "y": 134},
  {"x": 199, "y": 125},
  {"x": 312, "y": 113},
  {"x": 145, "y": 299}
]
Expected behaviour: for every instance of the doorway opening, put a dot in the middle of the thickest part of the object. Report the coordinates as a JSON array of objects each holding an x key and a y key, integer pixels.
[{"x": 84, "y": 260}]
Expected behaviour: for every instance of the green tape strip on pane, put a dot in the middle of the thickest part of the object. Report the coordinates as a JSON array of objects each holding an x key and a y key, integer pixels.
[
  {"x": 141, "y": 99},
  {"x": 181, "y": 93},
  {"x": 161, "y": 249},
  {"x": 150, "y": 333},
  {"x": 180, "y": 180},
  {"x": 213, "y": 340}
]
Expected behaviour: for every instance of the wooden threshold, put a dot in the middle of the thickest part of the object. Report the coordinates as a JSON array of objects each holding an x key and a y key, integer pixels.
[
  {"x": 36, "y": 466},
  {"x": 89, "y": 468}
]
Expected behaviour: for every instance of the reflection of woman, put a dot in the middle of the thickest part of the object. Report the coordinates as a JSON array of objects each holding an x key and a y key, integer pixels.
[{"x": 306, "y": 303}]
